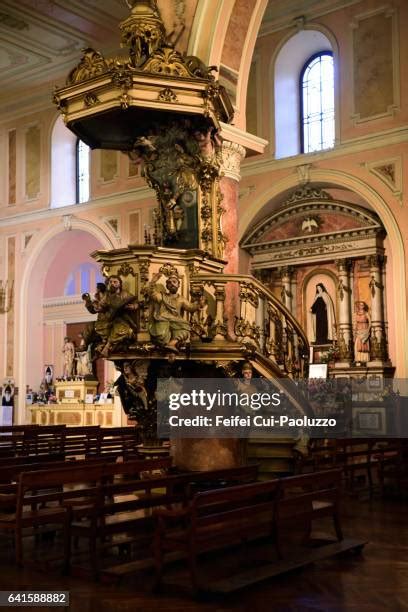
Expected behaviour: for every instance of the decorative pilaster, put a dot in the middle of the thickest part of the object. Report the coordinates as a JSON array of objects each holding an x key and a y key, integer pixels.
[
  {"x": 286, "y": 273},
  {"x": 378, "y": 342},
  {"x": 344, "y": 331},
  {"x": 231, "y": 157}
]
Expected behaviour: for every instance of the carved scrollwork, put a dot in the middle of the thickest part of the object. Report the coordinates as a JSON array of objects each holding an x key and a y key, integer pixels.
[
  {"x": 92, "y": 64},
  {"x": 249, "y": 333},
  {"x": 126, "y": 270},
  {"x": 91, "y": 99},
  {"x": 307, "y": 192},
  {"x": 167, "y": 95},
  {"x": 167, "y": 61}
]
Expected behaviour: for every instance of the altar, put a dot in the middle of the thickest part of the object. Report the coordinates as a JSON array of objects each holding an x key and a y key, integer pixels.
[{"x": 76, "y": 406}]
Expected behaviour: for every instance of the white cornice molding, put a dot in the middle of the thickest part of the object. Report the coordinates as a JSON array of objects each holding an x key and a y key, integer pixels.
[
  {"x": 251, "y": 167},
  {"x": 137, "y": 194},
  {"x": 66, "y": 300},
  {"x": 245, "y": 139}
]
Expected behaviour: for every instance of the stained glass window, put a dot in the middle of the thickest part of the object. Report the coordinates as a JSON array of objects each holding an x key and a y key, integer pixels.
[
  {"x": 317, "y": 103},
  {"x": 82, "y": 172}
]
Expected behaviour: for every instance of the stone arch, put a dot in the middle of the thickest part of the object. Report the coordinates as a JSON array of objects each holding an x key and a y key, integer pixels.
[
  {"x": 33, "y": 277},
  {"x": 336, "y": 178},
  {"x": 229, "y": 45}
]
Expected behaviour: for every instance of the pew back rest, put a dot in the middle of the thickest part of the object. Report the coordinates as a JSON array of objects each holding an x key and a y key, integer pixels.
[
  {"x": 242, "y": 503},
  {"x": 57, "y": 485},
  {"x": 303, "y": 495}
]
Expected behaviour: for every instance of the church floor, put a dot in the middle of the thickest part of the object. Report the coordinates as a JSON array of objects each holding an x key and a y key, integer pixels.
[{"x": 377, "y": 580}]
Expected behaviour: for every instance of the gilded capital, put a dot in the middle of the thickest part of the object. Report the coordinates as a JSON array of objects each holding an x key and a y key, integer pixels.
[{"x": 232, "y": 155}]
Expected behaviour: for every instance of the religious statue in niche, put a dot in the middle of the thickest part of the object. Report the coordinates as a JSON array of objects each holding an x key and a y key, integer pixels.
[
  {"x": 362, "y": 332},
  {"x": 68, "y": 352},
  {"x": 167, "y": 327},
  {"x": 323, "y": 319},
  {"x": 116, "y": 324}
]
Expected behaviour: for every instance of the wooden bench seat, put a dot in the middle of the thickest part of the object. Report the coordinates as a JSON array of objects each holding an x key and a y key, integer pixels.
[
  {"x": 39, "y": 501},
  {"x": 125, "y": 506},
  {"x": 222, "y": 517},
  {"x": 57, "y": 495},
  {"x": 356, "y": 457},
  {"x": 309, "y": 497},
  {"x": 217, "y": 517}
]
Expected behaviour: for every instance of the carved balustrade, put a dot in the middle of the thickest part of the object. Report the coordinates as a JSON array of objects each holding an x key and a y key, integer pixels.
[{"x": 261, "y": 323}]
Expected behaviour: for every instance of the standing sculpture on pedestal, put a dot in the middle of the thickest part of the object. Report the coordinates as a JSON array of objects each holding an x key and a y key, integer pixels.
[
  {"x": 362, "y": 332},
  {"x": 323, "y": 319},
  {"x": 69, "y": 358},
  {"x": 83, "y": 358}
]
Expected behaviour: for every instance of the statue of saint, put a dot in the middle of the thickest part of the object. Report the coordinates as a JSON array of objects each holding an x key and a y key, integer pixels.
[
  {"x": 83, "y": 358},
  {"x": 323, "y": 319},
  {"x": 167, "y": 327},
  {"x": 97, "y": 331},
  {"x": 118, "y": 306},
  {"x": 68, "y": 351},
  {"x": 115, "y": 322},
  {"x": 362, "y": 331}
]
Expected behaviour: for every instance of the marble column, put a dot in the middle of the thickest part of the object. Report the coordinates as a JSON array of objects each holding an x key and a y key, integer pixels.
[
  {"x": 344, "y": 324},
  {"x": 232, "y": 156},
  {"x": 378, "y": 343}
]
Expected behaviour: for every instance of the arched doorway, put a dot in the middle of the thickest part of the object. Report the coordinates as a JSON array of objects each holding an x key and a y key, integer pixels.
[{"x": 47, "y": 304}]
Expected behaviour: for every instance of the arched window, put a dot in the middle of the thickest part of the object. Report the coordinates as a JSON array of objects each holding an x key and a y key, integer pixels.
[
  {"x": 317, "y": 103},
  {"x": 83, "y": 279},
  {"x": 82, "y": 172},
  {"x": 289, "y": 64},
  {"x": 70, "y": 167}
]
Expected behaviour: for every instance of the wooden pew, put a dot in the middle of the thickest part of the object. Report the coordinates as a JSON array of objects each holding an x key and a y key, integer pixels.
[
  {"x": 124, "y": 505},
  {"x": 64, "y": 442},
  {"x": 212, "y": 520},
  {"x": 222, "y": 517},
  {"x": 308, "y": 497},
  {"x": 39, "y": 502},
  {"x": 57, "y": 495},
  {"x": 357, "y": 457},
  {"x": 392, "y": 466}
]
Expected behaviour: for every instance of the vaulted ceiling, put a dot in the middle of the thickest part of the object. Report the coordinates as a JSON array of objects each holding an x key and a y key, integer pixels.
[{"x": 41, "y": 40}]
